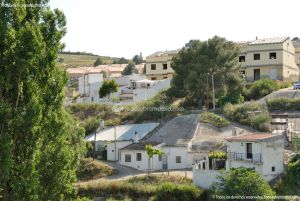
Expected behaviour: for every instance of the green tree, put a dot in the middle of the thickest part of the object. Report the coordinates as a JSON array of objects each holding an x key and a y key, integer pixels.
[
  {"x": 129, "y": 69},
  {"x": 138, "y": 59},
  {"x": 200, "y": 61},
  {"x": 99, "y": 61},
  {"x": 39, "y": 142},
  {"x": 290, "y": 182},
  {"x": 151, "y": 151},
  {"x": 242, "y": 182},
  {"x": 108, "y": 87}
]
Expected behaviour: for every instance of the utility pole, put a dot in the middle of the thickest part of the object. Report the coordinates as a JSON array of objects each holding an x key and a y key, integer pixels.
[{"x": 213, "y": 90}]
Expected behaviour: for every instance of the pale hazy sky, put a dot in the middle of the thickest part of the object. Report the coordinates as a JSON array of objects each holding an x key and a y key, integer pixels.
[{"x": 128, "y": 27}]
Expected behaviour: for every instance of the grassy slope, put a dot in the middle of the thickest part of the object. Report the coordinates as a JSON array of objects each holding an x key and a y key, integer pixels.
[{"x": 73, "y": 60}]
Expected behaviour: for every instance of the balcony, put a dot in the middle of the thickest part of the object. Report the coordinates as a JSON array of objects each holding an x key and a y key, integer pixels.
[{"x": 249, "y": 157}]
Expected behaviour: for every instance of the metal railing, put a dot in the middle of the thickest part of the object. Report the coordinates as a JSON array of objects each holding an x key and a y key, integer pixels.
[{"x": 249, "y": 157}]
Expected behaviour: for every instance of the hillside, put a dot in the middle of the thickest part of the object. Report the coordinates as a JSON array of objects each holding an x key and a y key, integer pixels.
[{"x": 66, "y": 60}]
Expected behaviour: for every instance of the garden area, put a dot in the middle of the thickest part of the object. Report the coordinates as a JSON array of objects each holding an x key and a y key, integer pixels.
[{"x": 155, "y": 188}]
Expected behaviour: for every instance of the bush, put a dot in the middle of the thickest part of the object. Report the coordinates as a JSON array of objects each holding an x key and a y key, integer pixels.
[
  {"x": 261, "y": 88},
  {"x": 89, "y": 169},
  {"x": 251, "y": 114},
  {"x": 284, "y": 104},
  {"x": 216, "y": 120},
  {"x": 174, "y": 192}
]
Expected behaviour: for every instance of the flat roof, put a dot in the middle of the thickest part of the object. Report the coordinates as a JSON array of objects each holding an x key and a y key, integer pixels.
[{"x": 253, "y": 137}]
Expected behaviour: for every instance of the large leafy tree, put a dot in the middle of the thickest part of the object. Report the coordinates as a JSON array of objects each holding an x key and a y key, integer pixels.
[
  {"x": 129, "y": 69},
  {"x": 108, "y": 87},
  {"x": 198, "y": 62},
  {"x": 39, "y": 142},
  {"x": 137, "y": 59},
  {"x": 243, "y": 182}
]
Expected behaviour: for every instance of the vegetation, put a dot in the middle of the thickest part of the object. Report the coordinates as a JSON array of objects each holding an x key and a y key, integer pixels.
[
  {"x": 108, "y": 87},
  {"x": 284, "y": 104},
  {"x": 261, "y": 88},
  {"x": 121, "y": 60},
  {"x": 99, "y": 61},
  {"x": 89, "y": 169},
  {"x": 137, "y": 59},
  {"x": 129, "y": 69},
  {"x": 251, "y": 114},
  {"x": 139, "y": 188},
  {"x": 40, "y": 143},
  {"x": 216, "y": 120},
  {"x": 149, "y": 110},
  {"x": 217, "y": 155},
  {"x": 242, "y": 182},
  {"x": 174, "y": 192},
  {"x": 76, "y": 60},
  {"x": 290, "y": 182},
  {"x": 200, "y": 61},
  {"x": 151, "y": 151}
]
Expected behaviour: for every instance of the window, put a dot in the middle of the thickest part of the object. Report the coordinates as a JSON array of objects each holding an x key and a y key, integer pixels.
[
  {"x": 153, "y": 66},
  {"x": 153, "y": 78},
  {"x": 138, "y": 156},
  {"x": 178, "y": 159},
  {"x": 242, "y": 58},
  {"x": 272, "y": 55},
  {"x": 159, "y": 158},
  {"x": 165, "y": 77},
  {"x": 256, "y": 56},
  {"x": 165, "y": 66},
  {"x": 112, "y": 150},
  {"x": 273, "y": 168},
  {"x": 127, "y": 158}
]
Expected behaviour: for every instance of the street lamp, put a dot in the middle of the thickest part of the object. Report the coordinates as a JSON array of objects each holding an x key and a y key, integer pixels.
[{"x": 101, "y": 125}]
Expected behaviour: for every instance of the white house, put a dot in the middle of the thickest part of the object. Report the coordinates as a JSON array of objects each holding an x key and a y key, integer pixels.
[
  {"x": 261, "y": 151},
  {"x": 89, "y": 85},
  {"x": 135, "y": 156},
  {"x": 117, "y": 137}
]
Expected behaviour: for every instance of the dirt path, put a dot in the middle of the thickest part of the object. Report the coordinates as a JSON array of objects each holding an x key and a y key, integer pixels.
[{"x": 125, "y": 173}]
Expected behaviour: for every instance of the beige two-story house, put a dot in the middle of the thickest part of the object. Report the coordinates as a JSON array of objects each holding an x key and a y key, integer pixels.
[
  {"x": 272, "y": 58},
  {"x": 296, "y": 43},
  {"x": 158, "y": 65}
]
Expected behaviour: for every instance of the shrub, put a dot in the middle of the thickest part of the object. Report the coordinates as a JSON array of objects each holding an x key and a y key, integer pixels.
[
  {"x": 261, "y": 88},
  {"x": 242, "y": 182},
  {"x": 251, "y": 114},
  {"x": 89, "y": 169},
  {"x": 174, "y": 192},
  {"x": 217, "y": 155},
  {"x": 284, "y": 104},
  {"x": 216, "y": 120}
]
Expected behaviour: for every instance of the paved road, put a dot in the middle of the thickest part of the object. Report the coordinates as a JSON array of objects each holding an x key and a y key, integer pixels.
[
  {"x": 125, "y": 172},
  {"x": 282, "y": 93}
]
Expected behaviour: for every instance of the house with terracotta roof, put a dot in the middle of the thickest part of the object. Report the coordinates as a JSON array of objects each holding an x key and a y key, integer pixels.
[
  {"x": 272, "y": 58},
  {"x": 262, "y": 152}
]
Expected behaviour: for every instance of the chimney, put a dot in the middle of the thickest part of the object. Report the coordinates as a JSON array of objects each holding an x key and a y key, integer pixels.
[{"x": 136, "y": 137}]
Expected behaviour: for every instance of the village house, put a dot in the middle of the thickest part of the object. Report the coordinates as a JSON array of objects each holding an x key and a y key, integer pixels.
[
  {"x": 261, "y": 151},
  {"x": 158, "y": 65},
  {"x": 88, "y": 87},
  {"x": 272, "y": 58},
  {"x": 115, "y": 138}
]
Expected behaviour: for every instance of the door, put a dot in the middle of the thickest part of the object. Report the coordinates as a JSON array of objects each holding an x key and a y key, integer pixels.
[
  {"x": 256, "y": 74},
  {"x": 249, "y": 150},
  {"x": 165, "y": 162},
  {"x": 273, "y": 74}
]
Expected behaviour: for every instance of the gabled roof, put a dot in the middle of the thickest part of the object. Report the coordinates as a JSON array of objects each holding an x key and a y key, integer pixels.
[
  {"x": 140, "y": 145},
  {"x": 264, "y": 41},
  {"x": 254, "y": 137},
  {"x": 123, "y": 132}
]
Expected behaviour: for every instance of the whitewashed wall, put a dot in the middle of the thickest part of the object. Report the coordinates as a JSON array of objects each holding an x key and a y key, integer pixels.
[
  {"x": 113, "y": 149},
  {"x": 172, "y": 152},
  {"x": 205, "y": 178},
  {"x": 143, "y": 164}
]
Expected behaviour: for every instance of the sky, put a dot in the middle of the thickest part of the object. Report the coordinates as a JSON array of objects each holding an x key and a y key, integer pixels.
[{"x": 127, "y": 27}]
